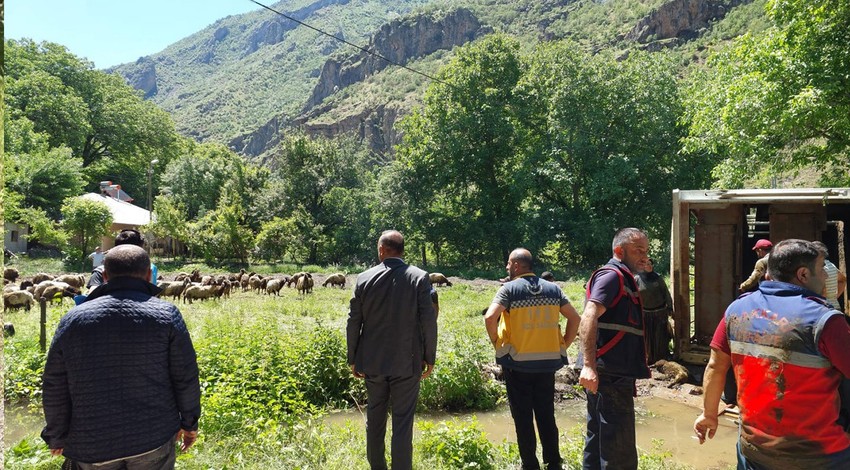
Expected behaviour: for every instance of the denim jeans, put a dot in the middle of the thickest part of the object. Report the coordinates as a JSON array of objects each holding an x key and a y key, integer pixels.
[{"x": 610, "y": 440}]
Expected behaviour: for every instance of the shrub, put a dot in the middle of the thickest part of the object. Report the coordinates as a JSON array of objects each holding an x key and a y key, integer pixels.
[{"x": 457, "y": 444}]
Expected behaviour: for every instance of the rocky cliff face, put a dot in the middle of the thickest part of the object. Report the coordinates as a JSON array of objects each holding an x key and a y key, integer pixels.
[
  {"x": 274, "y": 30},
  {"x": 143, "y": 77},
  {"x": 680, "y": 20},
  {"x": 399, "y": 41}
]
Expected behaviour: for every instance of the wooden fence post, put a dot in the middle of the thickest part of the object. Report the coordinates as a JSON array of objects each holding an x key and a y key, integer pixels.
[{"x": 42, "y": 335}]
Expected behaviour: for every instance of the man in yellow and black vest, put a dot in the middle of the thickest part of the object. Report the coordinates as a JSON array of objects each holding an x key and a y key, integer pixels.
[
  {"x": 613, "y": 354},
  {"x": 522, "y": 323}
]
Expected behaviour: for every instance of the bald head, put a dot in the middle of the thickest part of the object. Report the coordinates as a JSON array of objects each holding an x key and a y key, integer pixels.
[
  {"x": 520, "y": 262},
  {"x": 391, "y": 244},
  {"x": 127, "y": 261}
]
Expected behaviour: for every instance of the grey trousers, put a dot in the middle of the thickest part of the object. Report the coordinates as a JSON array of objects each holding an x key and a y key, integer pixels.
[
  {"x": 161, "y": 458},
  {"x": 403, "y": 393}
]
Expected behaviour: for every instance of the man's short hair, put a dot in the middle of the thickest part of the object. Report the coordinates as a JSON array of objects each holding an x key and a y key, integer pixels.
[
  {"x": 821, "y": 246},
  {"x": 129, "y": 236},
  {"x": 522, "y": 256},
  {"x": 790, "y": 255},
  {"x": 624, "y": 236},
  {"x": 127, "y": 261},
  {"x": 393, "y": 240}
]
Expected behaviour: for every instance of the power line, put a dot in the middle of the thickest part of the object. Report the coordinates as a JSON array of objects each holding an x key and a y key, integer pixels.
[{"x": 375, "y": 54}]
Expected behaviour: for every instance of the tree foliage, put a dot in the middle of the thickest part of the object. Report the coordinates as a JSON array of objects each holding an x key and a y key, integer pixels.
[
  {"x": 778, "y": 100},
  {"x": 85, "y": 222}
]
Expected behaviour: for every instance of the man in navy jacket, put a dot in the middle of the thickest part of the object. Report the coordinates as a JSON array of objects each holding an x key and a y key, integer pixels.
[{"x": 121, "y": 377}]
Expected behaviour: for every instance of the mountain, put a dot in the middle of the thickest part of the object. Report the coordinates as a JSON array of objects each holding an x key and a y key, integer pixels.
[{"x": 247, "y": 79}]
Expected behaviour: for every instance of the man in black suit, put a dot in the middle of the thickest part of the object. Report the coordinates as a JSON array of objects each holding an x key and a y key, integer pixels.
[{"x": 392, "y": 343}]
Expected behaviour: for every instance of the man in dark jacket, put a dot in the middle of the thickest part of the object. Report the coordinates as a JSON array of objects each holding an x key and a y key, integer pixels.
[
  {"x": 120, "y": 383},
  {"x": 392, "y": 343}
]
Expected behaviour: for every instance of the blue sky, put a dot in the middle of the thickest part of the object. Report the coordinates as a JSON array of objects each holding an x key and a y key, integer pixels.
[{"x": 112, "y": 32}]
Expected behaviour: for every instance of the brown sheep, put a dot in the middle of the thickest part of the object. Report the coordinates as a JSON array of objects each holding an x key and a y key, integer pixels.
[
  {"x": 74, "y": 280},
  {"x": 41, "y": 277},
  {"x": 17, "y": 299},
  {"x": 11, "y": 274},
  {"x": 337, "y": 279},
  {"x": 199, "y": 292},
  {"x": 256, "y": 283},
  {"x": 439, "y": 279},
  {"x": 274, "y": 286},
  {"x": 305, "y": 283},
  {"x": 173, "y": 289},
  {"x": 51, "y": 289}
]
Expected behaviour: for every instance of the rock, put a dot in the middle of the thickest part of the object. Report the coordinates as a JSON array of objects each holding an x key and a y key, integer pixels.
[{"x": 679, "y": 19}]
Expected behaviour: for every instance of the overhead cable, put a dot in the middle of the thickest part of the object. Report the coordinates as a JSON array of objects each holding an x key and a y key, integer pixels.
[{"x": 372, "y": 53}]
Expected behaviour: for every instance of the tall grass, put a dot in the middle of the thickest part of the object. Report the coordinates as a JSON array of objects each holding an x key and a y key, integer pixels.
[{"x": 272, "y": 366}]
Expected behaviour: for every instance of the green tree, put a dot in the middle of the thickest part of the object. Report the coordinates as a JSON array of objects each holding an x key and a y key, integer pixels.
[
  {"x": 778, "y": 100},
  {"x": 601, "y": 144},
  {"x": 103, "y": 120},
  {"x": 221, "y": 233},
  {"x": 85, "y": 222},
  {"x": 276, "y": 237},
  {"x": 170, "y": 221},
  {"x": 44, "y": 177},
  {"x": 459, "y": 154},
  {"x": 307, "y": 170}
]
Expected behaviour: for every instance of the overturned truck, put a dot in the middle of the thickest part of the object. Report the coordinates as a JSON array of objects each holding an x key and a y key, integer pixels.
[{"x": 712, "y": 237}]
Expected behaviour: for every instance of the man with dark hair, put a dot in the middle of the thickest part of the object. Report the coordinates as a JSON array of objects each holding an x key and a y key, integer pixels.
[
  {"x": 613, "y": 354},
  {"x": 522, "y": 323},
  {"x": 127, "y": 236},
  {"x": 120, "y": 383},
  {"x": 392, "y": 344},
  {"x": 788, "y": 350}
]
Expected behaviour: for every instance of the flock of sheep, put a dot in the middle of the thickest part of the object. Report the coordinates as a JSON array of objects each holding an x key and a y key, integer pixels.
[{"x": 185, "y": 286}]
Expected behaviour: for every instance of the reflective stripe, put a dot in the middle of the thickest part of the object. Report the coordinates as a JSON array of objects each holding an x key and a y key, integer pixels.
[
  {"x": 615, "y": 326},
  {"x": 778, "y": 354}
]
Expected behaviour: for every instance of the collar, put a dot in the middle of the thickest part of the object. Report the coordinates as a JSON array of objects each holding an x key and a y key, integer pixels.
[
  {"x": 392, "y": 261},
  {"x": 620, "y": 265},
  {"x": 786, "y": 289},
  {"x": 529, "y": 274},
  {"x": 122, "y": 284}
]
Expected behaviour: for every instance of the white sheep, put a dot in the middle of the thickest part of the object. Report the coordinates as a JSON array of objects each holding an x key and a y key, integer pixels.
[{"x": 199, "y": 292}]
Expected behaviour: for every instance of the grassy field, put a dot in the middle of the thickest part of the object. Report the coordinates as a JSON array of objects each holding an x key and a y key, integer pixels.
[{"x": 272, "y": 367}]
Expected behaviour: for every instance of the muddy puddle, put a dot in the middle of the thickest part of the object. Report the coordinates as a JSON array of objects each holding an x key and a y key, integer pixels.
[
  {"x": 20, "y": 423},
  {"x": 658, "y": 420}
]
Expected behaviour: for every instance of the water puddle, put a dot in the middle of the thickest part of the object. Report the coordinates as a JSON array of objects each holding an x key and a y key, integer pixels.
[
  {"x": 657, "y": 419},
  {"x": 20, "y": 423}
]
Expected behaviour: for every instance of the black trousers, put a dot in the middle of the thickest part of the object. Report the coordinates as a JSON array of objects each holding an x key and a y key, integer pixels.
[
  {"x": 402, "y": 393},
  {"x": 531, "y": 397},
  {"x": 610, "y": 439}
]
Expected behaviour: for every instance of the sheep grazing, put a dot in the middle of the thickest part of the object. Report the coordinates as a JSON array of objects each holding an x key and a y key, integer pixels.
[
  {"x": 41, "y": 277},
  {"x": 337, "y": 279},
  {"x": 18, "y": 299},
  {"x": 11, "y": 274},
  {"x": 74, "y": 280},
  {"x": 51, "y": 289},
  {"x": 244, "y": 282},
  {"x": 256, "y": 283},
  {"x": 438, "y": 279},
  {"x": 274, "y": 286},
  {"x": 173, "y": 289},
  {"x": 207, "y": 280},
  {"x": 199, "y": 292},
  {"x": 304, "y": 285},
  {"x": 225, "y": 287}
]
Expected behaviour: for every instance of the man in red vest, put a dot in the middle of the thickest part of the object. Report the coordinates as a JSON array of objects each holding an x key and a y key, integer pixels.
[{"x": 788, "y": 350}]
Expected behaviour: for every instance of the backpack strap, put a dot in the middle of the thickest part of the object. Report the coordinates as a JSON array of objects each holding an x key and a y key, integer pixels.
[{"x": 623, "y": 291}]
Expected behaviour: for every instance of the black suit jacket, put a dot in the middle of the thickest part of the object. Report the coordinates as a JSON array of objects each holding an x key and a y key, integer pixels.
[{"x": 392, "y": 326}]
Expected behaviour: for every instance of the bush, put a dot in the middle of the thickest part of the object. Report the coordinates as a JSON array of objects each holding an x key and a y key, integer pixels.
[
  {"x": 458, "y": 383},
  {"x": 457, "y": 444}
]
